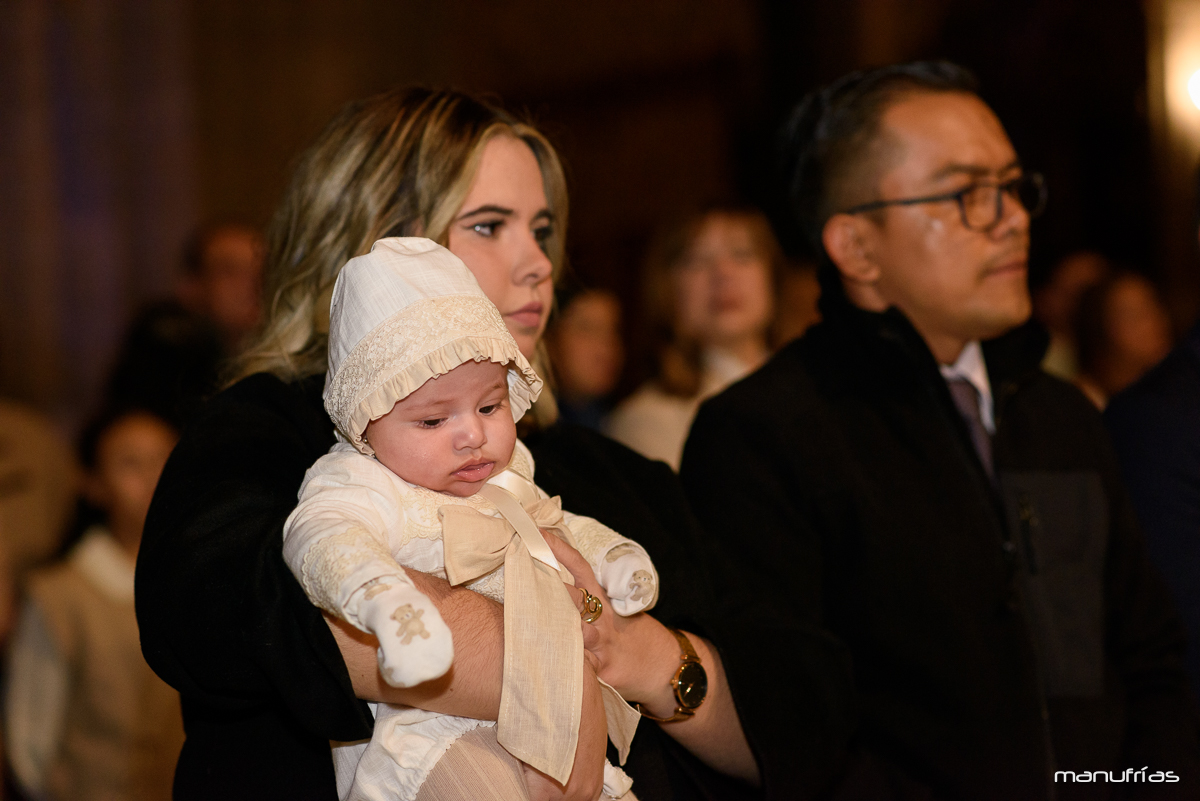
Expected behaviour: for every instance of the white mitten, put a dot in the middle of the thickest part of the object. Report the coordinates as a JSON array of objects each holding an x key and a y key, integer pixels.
[
  {"x": 629, "y": 578},
  {"x": 415, "y": 644},
  {"x": 616, "y": 783}
]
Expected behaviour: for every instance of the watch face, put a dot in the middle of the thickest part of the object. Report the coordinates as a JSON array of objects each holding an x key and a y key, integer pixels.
[{"x": 692, "y": 685}]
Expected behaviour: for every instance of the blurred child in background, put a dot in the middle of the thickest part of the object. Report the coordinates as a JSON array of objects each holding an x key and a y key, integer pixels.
[{"x": 85, "y": 717}]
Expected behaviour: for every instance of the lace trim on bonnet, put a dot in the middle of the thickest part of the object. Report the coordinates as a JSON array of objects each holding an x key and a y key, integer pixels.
[{"x": 425, "y": 339}]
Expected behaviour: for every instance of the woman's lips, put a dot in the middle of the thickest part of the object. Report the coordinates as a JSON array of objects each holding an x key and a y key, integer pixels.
[
  {"x": 475, "y": 471},
  {"x": 528, "y": 316}
]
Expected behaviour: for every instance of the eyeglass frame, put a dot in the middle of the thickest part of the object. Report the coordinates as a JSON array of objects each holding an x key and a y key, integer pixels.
[{"x": 958, "y": 196}]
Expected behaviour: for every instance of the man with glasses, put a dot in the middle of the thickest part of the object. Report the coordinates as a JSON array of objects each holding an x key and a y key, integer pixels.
[{"x": 967, "y": 611}]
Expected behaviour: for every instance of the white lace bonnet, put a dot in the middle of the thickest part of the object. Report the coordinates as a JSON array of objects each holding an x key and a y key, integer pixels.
[{"x": 404, "y": 313}]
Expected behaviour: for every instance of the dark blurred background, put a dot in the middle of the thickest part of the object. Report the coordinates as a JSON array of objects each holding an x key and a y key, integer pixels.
[{"x": 125, "y": 123}]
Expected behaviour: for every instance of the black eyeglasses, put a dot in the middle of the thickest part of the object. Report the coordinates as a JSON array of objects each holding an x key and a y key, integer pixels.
[{"x": 981, "y": 204}]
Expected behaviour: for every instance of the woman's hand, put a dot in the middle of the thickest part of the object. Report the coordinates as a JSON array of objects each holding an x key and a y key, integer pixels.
[
  {"x": 630, "y": 653},
  {"x": 638, "y": 656}
]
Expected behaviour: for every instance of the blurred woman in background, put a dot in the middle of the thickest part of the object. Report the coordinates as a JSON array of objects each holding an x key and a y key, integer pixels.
[
  {"x": 710, "y": 301},
  {"x": 1056, "y": 306},
  {"x": 587, "y": 354},
  {"x": 1123, "y": 330}
]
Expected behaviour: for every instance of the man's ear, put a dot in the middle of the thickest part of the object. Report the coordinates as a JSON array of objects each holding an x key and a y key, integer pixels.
[{"x": 847, "y": 240}]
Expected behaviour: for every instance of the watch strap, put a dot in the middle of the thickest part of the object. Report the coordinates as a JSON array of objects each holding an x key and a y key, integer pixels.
[{"x": 689, "y": 655}]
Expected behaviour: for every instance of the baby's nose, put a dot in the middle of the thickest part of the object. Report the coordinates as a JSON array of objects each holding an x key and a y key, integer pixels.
[{"x": 471, "y": 434}]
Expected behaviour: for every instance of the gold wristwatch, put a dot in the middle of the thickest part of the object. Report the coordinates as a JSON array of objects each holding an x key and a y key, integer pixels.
[{"x": 690, "y": 683}]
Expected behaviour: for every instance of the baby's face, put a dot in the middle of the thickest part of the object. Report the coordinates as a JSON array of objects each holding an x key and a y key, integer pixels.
[{"x": 452, "y": 434}]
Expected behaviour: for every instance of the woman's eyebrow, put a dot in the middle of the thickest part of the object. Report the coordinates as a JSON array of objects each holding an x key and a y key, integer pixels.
[{"x": 488, "y": 209}]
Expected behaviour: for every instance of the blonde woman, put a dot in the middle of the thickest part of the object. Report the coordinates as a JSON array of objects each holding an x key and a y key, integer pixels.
[
  {"x": 709, "y": 295},
  {"x": 266, "y": 681}
]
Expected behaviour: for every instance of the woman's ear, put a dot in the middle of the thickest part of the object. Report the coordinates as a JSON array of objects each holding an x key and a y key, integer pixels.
[{"x": 847, "y": 240}]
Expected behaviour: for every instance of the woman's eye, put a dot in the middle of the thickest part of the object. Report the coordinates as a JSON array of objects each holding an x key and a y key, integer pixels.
[
  {"x": 486, "y": 228},
  {"x": 542, "y": 235}
]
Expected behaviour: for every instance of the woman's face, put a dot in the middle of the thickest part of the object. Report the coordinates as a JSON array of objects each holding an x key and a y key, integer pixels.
[
  {"x": 499, "y": 235},
  {"x": 586, "y": 346},
  {"x": 1138, "y": 325},
  {"x": 723, "y": 285}
]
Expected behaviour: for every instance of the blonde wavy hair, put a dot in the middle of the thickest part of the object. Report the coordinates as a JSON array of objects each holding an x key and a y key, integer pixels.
[{"x": 398, "y": 164}]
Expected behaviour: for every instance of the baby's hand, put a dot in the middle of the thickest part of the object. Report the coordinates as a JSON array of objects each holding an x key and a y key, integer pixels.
[
  {"x": 415, "y": 645},
  {"x": 629, "y": 578}
]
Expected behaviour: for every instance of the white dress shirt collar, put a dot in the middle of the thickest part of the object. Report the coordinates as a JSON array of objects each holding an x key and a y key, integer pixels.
[{"x": 971, "y": 367}]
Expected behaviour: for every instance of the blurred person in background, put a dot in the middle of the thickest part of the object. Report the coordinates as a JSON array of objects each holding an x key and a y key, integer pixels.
[
  {"x": 1056, "y": 306},
  {"x": 1122, "y": 330},
  {"x": 222, "y": 281},
  {"x": 266, "y": 680},
  {"x": 798, "y": 293},
  {"x": 38, "y": 483},
  {"x": 1155, "y": 428},
  {"x": 174, "y": 350},
  {"x": 709, "y": 296},
  {"x": 586, "y": 354},
  {"x": 85, "y": 717}
]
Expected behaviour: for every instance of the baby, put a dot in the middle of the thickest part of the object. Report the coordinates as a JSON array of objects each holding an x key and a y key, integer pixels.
[{"x": 425, "y": 386}]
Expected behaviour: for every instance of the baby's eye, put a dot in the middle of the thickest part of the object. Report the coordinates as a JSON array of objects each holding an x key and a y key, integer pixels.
[
  {"x": 432, "y": 422},
  {"x": 489, "y": 409}
]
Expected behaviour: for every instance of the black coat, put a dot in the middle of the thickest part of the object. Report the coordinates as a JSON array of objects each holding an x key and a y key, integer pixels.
[
  {"x": 1155, "y": 426},
  {"x": 263, "y": 684},
  {"x": 959, "y": 639}
]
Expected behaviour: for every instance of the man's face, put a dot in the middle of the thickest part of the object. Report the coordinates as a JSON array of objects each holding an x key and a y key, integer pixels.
[{"x": 954, "y": 284}]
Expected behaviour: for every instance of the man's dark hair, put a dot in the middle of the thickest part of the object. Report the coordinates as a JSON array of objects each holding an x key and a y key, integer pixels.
[{"x": 832, "y": 130}]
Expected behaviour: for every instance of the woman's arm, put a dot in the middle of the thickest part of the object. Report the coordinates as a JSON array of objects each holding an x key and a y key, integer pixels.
[
  {"x": 638, "y": 656},
  {"x": 472, "y": 686}
]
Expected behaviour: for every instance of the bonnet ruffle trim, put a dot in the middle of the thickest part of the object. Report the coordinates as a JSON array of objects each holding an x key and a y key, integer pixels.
[{"x": 423, "y": 341}]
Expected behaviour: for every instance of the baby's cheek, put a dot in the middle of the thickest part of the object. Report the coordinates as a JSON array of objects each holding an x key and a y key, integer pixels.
[
  {"x": 417, "y": 462},
  {"x": 505, "y": 438}
]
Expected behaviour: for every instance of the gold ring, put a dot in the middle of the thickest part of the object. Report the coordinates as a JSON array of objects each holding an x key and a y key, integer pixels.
[{"x": 592, "y": 605}]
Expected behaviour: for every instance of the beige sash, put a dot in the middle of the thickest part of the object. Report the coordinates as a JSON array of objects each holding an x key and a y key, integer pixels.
[{"x": 542, "y": 692}]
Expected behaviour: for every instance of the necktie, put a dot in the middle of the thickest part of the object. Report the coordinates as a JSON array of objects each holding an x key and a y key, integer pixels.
[{"x": 966, "y": 398}]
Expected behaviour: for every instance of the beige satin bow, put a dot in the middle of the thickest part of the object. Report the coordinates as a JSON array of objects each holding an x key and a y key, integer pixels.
[{"x": 542, "y": 693}]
